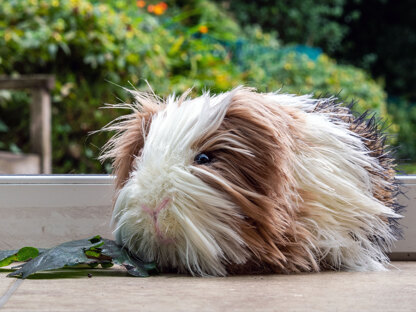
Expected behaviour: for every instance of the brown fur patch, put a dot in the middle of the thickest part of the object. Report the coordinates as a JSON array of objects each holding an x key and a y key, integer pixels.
[
  {"x": 261, "y": 184},
  {"x": 128, "y": 141}
]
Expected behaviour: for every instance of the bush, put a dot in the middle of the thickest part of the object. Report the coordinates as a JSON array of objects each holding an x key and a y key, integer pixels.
[
  {"x": 308, "y": 22},
  {"x": 87, "y": 45},
  {"x": 297, "y": 73},
  {"x": 404, "y": 116}
]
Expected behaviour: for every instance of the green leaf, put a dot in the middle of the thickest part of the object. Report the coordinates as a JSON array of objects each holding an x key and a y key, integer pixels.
[
  {"x": 7, "y": 261},
  {"x": 93, "y": 264},
  {"x": 106, "y": 265},
  {"x": 92, "y": 254},
  {"x": 7, "y": 253},
  {"x": 27, "y": 253},
  {"x": 9, "y": 256},
  {"x": 66, "y": 254},
  {"x": 91, "y": 251},
  {"x": 122, "y": 256},
  {"x": 95, "y": 239}
]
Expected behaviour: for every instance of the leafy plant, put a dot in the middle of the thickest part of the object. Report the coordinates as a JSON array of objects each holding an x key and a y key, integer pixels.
[{"x": 94, "y": 251}]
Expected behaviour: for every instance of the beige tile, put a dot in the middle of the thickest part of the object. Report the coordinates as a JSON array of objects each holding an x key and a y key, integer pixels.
[
  {"x": 5, "y": 282},
  {"x": 7, "y": 286},
  {"x": 111, "y": 290}
]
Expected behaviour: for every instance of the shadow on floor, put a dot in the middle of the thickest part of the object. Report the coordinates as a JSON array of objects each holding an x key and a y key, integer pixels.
[{"x": 74, "y": 273}]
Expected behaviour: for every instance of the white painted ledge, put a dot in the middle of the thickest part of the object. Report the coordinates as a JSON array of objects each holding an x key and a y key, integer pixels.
[
  {"x": 43, "y": 210},
  {"x": 56, "y": 179}
]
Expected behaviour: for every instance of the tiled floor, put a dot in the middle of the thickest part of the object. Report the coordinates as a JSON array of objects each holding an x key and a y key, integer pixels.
[{"x": 113, "y": 290}]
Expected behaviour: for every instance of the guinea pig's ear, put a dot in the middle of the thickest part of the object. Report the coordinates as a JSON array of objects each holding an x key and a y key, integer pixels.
[{"x": 131, "y": 131}]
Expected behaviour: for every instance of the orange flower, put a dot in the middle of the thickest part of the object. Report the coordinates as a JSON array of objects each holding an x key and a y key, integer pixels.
[
  {"x": 150, "y": 8},
  {"x": 141, "y": 3},
  {"x": 203, "y": 29},
  {"x": 163, "y": 5},
  {"x": 160, "y": 8}
]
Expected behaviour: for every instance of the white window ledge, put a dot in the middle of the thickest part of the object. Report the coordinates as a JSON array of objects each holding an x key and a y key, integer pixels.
[{"x": 43, "y": 210}]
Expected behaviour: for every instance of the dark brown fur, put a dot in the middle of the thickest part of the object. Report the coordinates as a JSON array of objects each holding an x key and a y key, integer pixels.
[
  {"x": 128, "y": 141},
  {"x": 262, "y": 185}
]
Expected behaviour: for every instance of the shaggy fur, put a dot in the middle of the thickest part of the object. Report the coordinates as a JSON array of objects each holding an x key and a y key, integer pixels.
[{"x": 295, "y": 184}]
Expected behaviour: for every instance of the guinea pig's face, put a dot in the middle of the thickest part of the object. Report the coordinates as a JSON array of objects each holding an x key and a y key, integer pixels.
[{"x": 193, "y": 179}]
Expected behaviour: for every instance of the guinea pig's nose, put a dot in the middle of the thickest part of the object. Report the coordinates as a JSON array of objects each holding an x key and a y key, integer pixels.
[{"x": 154, "y": 213}]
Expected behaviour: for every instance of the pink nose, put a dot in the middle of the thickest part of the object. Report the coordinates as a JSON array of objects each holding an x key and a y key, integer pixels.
[{"x": 155, "y": 214}]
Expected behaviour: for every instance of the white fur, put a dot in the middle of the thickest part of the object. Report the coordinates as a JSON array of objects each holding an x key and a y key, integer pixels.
[
  {"x": 331, "y": 166},
  {"x": 201, "y": 241}
]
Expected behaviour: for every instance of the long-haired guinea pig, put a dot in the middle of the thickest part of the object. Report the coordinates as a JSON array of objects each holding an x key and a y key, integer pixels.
[{"x": 247, "y": 182}]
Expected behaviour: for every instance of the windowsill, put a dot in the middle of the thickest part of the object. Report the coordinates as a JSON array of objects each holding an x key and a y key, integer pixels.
[{"x": 43, "y": 210}]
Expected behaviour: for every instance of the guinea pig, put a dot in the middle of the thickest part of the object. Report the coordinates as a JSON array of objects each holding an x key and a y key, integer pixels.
[{"x": 248, "y": 182}]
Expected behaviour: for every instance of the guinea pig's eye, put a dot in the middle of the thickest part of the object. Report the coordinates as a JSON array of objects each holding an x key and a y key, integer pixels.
[{"x": 202, "y": 159}]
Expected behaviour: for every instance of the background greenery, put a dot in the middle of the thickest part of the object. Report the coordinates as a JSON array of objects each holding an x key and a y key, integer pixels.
[
  {"x": 93, "y": 47},
  {"x": 376, "y": 35}
]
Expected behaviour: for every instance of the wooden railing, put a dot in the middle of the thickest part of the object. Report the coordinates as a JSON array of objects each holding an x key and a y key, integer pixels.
[{"x": 40, "y": 87}]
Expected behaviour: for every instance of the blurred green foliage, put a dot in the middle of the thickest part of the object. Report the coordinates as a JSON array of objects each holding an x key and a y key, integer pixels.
[
  {"x": 404, "y": 117},
  {"x": 94, "y": 46},
  {"x": 383, "y": 40},
  {"x": 376, "y": 35},
  {"x": 309, "y": 22},
  {"x": 348, "y": 30},
  {"x": 297, "y": 73}
]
